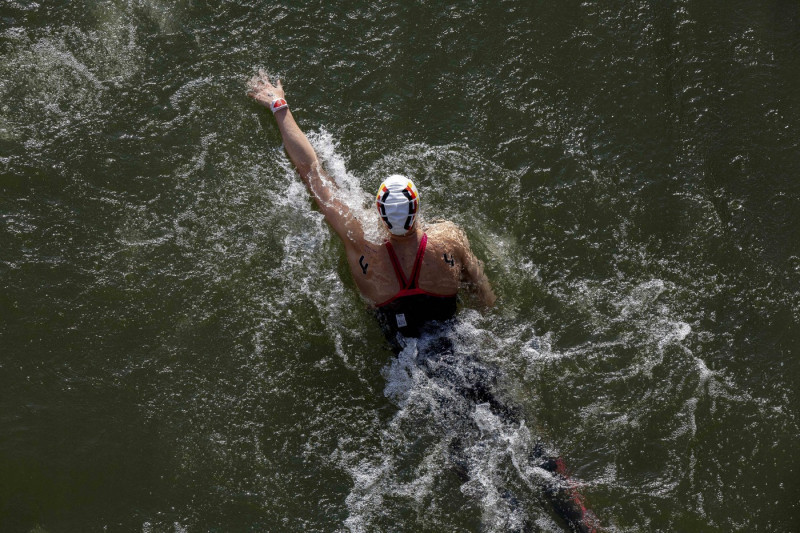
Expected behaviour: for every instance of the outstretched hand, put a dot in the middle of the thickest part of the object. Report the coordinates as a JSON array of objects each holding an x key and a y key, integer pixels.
[{"x": 262, "y": 91}]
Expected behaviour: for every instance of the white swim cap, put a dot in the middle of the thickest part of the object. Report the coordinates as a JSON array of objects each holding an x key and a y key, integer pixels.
[{"x": 398, "y": 203}]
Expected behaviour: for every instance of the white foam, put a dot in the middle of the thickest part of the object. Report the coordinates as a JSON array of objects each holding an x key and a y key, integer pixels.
[
  {"x": 673, "y": 332},
  {"x": 350, "y": 190},
  {"x": 495, "y": 451}
]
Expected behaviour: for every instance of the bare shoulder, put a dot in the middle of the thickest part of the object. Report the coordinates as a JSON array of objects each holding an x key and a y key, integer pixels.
[
  {"x": 447, "y": 232},
  {"x": 452, "y": 239}
]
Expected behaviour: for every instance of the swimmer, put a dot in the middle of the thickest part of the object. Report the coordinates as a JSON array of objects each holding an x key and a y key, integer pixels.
[
  {"x": 412, "y": 280},
  {"x": 414, "y": 277}
]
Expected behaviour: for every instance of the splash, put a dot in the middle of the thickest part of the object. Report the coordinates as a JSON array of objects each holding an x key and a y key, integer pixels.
[
  {"x": 451, "y": 425},
  {"x": 350, "y": 190}
]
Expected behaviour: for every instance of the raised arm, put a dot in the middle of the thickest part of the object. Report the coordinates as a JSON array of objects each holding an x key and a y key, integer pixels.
[{"x": 304, "y": 158}]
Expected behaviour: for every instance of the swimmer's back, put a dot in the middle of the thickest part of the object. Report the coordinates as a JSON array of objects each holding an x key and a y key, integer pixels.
[{"x": 441, "y": 271}]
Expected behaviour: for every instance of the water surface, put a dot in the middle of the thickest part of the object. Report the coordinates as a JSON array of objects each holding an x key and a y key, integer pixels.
[{"x": 182, "y": 346}]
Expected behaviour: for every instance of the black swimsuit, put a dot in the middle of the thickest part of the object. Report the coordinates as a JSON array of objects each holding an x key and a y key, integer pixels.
[{"x": 411, "y": 308}]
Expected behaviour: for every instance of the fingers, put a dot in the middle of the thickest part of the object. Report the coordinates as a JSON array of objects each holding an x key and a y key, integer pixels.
[
  {"x": 261, "y": 90},
  {"x": 256, "y": 82},
  {"x": 257, "y": 94},
  {"x": 262, "y": 81}
]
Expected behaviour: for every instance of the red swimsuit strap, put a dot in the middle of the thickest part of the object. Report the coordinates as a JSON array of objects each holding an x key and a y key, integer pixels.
[
  {"x": 414, "y": 281},
  {"x": 398, "y": 270},
  {"x": 411, "y": 282},
  {"x": 410, "y": 286}
]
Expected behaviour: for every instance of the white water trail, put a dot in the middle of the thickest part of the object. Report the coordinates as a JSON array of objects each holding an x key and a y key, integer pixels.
[{"x": 443, "y": 429}]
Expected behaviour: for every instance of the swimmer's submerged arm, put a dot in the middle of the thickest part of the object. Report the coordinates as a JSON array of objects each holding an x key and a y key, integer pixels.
[
  {"x": 302, "y": 154},
  {"x": 472, "y": 272}
]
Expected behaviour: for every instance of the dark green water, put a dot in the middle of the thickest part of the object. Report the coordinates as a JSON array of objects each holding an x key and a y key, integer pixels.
[{"x": 181, "y": 348}]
